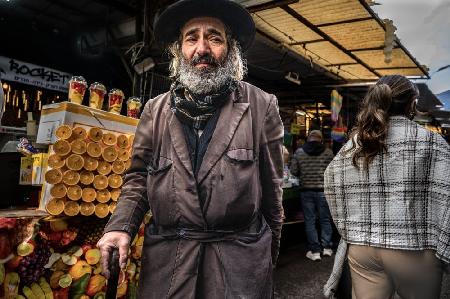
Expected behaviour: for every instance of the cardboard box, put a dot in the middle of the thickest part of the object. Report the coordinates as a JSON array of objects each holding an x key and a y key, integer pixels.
[
  {"x": 67, "y": 113},
  {"x": 26, "y": 169},
  {"x": 39, "y": 168}
]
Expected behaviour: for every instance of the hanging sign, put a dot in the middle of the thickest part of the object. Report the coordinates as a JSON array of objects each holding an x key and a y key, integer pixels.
[
  {"x": 31, "y": 74},
  {"x": 295, "y": 129}
]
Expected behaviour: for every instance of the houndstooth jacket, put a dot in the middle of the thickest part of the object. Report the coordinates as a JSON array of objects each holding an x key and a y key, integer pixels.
[{"x": 402, "y": 201}]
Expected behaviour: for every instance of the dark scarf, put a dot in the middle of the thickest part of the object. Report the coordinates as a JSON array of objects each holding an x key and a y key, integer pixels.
[
  {"x": 314, "y": 148},
  {"x": 198, "y": 111}
]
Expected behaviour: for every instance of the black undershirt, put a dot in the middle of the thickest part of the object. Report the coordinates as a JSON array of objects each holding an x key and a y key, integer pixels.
[{"x": 197, "y": 146}]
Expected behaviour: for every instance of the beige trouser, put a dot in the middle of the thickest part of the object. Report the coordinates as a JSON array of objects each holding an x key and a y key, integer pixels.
[{"x": 379, "y": 273}]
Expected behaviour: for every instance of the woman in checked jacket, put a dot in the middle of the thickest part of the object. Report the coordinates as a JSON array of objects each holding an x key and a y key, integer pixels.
[{"x": 389, "y": 196}]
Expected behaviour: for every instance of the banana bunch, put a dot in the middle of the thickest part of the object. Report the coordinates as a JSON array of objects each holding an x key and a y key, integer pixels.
[{"x": 40, "y": 290}]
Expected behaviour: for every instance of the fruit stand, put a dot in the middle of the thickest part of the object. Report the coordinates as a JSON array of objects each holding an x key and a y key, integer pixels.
[
  {"x": 49, "y": 251},
  {"x": 56, "y": 257}
]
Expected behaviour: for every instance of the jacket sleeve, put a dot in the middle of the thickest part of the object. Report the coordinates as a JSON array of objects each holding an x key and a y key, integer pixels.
[
  {"x": 440, "y": 187},
  {"x": 133, "y": 204},
  {"x": 271, "y": 173}
]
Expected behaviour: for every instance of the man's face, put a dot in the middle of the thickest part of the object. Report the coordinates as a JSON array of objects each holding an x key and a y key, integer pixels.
[{"x": 204, "y": 43}]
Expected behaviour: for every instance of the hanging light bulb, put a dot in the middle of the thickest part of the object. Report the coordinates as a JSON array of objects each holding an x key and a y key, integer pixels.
[{"x": 39, "y": 94}]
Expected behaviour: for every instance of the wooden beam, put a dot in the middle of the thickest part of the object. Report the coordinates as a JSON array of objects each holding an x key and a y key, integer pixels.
[
  {"x": 369, "y": 49},
  {"x": 396, "y": 67},
  {"x": 307, "y": 42},
  {"x": 342, "y": 64},
  {"x": 270, "y": 5},
  {"x": 314, "y": 28},
  {"x": 276, "y": 43},
  {"x": 345, "y": 22},
  {"x": 375, "y": 16}
]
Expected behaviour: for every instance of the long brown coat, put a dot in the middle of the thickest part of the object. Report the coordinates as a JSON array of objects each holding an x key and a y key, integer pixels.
[{"x": 225, "y": 249}]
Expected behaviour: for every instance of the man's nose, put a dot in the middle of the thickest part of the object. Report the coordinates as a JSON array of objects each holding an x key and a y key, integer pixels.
[{"x": 203, "y": 47}]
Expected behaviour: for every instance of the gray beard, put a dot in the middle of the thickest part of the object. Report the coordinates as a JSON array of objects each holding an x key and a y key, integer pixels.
[{"x": 205, "y": 81}]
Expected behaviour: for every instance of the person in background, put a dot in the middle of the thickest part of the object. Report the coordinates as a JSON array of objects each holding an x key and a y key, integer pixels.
[
  {"x": 389, "y": 195},
  {"x": 208, "y": 162},
  {"x": 309, "y": 164}
]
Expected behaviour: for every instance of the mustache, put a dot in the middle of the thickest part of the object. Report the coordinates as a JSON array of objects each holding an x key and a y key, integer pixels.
[{"x": 207, "y": 58}]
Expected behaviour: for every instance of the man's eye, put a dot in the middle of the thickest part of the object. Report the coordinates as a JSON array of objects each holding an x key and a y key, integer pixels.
[{"x": 190, "y": 39}]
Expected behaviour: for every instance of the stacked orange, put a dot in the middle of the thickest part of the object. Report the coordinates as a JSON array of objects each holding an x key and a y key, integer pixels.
[{"x": 85, "y": 170}]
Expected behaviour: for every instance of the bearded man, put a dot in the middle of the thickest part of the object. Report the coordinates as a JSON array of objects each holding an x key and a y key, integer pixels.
[{"x": 207, "y": 161}]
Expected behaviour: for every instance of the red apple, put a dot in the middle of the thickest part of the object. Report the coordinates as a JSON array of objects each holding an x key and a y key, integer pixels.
[
  {"x": 86, "y": 247},
  {"x": 7, "y": 223},
  {"x": 14, "y": 262}
]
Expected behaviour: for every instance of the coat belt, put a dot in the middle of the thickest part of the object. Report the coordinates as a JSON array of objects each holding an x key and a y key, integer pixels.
[{"x": 248, "y": 234}]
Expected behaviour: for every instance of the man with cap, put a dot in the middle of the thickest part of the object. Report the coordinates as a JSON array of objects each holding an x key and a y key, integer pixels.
[
  {"x": 207, "y": 162},
  {"x": 309, "y": 164}
]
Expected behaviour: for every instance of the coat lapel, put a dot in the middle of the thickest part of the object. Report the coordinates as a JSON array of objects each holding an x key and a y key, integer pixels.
[
  {"x": 179, "y": 142},
  {"x": 227, "y": 124}
]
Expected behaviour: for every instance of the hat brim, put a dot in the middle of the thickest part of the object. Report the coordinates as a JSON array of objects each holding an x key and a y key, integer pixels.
[{"x": 235, "y": 17}]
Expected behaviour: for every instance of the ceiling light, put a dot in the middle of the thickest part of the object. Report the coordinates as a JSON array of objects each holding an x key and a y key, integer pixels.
[
  {"x": 299, "y": 112},
  {"x": 293, "y": 77}
]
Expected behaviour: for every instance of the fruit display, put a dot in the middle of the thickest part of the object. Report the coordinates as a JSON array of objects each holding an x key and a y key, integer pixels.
[
  {"x": 115, "y": 100},
  {"x": 60, "y": 260},
  {"x": 97, "y": 93},
  {"x": 35, "y": 256},
  {"x": 91, "y": 230},
  {"x": 85, "y": 171},
  {"x": 77, "y": 88},
  {"x": 134, "y": 105}
]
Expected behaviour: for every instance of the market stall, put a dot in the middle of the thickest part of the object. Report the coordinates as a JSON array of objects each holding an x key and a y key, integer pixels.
[{"x": 48, "y": 248}]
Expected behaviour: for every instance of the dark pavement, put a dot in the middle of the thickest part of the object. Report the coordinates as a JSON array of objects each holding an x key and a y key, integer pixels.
[{"x": 298, "y": 277}]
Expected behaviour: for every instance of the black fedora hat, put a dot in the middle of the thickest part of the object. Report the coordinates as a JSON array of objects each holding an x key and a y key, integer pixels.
[{"x": 168, "y": 24}]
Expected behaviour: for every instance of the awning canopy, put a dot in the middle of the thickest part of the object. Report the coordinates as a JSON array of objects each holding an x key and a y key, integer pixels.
[{"x": 344, "y": 37}]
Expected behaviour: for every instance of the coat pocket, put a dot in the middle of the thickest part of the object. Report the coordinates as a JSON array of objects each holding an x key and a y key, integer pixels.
[
  {"x": 161, "y": 191},
  {"x": 240, "y": 155},
  {"x": 235, "y": 186},
  {"x": 163, "y": 165}
]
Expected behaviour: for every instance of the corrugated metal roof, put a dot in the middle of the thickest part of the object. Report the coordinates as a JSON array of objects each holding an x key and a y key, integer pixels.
[{"x": 344, "y": 36}]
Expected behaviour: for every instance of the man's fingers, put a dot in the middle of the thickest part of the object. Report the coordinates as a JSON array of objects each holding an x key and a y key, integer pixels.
[
  {"x": 105, "y": 253},
  {"x": 110, "y": 241},
  {"x": 123, "y": 252}
]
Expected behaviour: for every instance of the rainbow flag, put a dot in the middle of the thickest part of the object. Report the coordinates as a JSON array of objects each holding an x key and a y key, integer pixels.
[{"x": 336, "y": 105}]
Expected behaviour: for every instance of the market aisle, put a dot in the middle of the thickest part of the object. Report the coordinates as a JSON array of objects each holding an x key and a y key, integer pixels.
[{"x": 297, "y": 277}]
